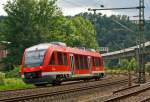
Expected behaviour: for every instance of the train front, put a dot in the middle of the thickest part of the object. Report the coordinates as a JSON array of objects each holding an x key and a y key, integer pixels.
[{"x": 33, "y": 65}]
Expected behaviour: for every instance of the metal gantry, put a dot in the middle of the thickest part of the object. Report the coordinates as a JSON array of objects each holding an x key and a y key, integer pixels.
[{"x": 141, "y": 78}]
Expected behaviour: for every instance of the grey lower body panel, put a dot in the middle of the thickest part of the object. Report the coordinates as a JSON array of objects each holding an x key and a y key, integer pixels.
[
  {"x": 49, "y": 79},
  {"x": 42, "y": 80}
]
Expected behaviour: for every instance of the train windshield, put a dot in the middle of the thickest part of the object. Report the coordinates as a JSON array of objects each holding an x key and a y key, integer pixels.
[{"x": 34, "y": 58}]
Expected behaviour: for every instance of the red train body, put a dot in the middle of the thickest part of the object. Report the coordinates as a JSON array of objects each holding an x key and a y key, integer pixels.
[{"x": 54, "y": 63}]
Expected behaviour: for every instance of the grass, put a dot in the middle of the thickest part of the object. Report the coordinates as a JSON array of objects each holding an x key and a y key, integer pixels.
[
  {"x": 116, "y": 71},
  {"x": 14, "y": 83}
]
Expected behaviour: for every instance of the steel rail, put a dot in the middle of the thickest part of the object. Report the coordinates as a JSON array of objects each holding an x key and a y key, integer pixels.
[
  {"x": 114, "y": 92},
  {"x": 66, "y": 91},
  {"x": 145, "y": 100},
  {"x": 116, "y": 98},
  {"x": 41, "y": 87}
]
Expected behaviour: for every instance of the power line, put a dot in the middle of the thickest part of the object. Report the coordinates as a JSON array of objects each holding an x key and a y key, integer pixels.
[
  {"x": 123, "y": 8},
  {"x": 125, "y": 27},
  {"x": 146, "y": 2},
  {"x": 78, "y": 4},
  {"x": 72, "y": 3}
]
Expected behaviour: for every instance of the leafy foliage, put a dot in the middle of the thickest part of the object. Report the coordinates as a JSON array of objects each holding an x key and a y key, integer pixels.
[
  {"x": 14, "y": 83},
  {"x": 148, "y": 68},
  {"x": 15, "y": 73},
  {"x": 133, "y": 65},
  {"x": 113, "y": 35},
  {"x": 30, "y": 22},
  {"x": 2, "y": 76},
  {"x": 27, "y": 24},
  {"x": 85, "y": 32},
  {"x": 2, "y": 18},
  {"x": 124, "y": 64}
]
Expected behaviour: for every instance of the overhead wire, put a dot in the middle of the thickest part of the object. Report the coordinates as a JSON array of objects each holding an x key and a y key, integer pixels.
[
  {"x": 73, "y": 3},
  {"x": 147, "y": 4},
  {"x": 78, "y": 3},
  {"x": 82, "y": 3}
]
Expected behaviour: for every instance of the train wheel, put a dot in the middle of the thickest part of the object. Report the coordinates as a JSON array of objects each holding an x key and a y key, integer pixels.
[
  {"x": 40, "y": 85},
  {"x": 86, "y": 80},
  {"x": 97, "y": 79},
  {"x": 55, "y": 83}
]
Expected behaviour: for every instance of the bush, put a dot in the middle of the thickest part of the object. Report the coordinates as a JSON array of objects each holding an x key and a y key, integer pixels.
[
  {"x": 2, "y": 76},
  {"x": 14, "y": 83},
  {"x": 15, "y": 73},
  {"x": 116, "y": 71},
  {"x": 147, "y": 66}
]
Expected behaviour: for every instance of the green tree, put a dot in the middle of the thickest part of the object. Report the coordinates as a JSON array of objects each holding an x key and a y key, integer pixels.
[
  {"x": 85, "y": 33},
  {"x": 132, "y": 64},
  {"x": 28, "y": 22},
  {"x": 111, "y": 34},
  {"x": 2, "y": 18},
  {"x": 147, "y": 66},
  {"x": 124, "y": 64}
]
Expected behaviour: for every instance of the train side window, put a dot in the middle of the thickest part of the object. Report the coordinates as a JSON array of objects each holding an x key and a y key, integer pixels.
[
  {"x": 85, "y": 62},
  {"x": 97, "y": 62},
  {"x": 77, "y": 61},
  {"x": 101, "y": 61},
  {"x": 52, "y": 59},
  {"x": 65, "y": 59},
  {"x": 93, "y": 61},
  {"x": 59, "y": 57},
  {"x": 81, "y": 62}
]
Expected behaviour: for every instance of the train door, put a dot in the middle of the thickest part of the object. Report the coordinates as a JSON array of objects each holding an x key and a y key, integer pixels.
[
  {"x": 72, "y": 63},
  {"x": 89, "y": 64}
]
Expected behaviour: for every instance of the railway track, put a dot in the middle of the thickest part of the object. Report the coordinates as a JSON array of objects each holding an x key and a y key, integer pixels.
[
  {"x": 39, "y": 87},
  {"x": 126, "y": 88},
  {"x": 134, "y": 94},
  {"x": 67, "y": 91},
  {"x": 64, "y": 84},
  {"x": 146, "y": 99}
]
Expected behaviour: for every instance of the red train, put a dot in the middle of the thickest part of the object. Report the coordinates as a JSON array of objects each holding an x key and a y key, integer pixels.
[{"x": 55, "y": 62}]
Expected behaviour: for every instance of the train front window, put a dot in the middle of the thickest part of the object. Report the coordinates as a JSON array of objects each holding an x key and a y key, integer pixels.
[{"x": 34, "y": 58}]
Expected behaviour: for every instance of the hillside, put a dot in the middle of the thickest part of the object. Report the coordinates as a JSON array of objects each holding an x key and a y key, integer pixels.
[{"x": 110, "y": 34}]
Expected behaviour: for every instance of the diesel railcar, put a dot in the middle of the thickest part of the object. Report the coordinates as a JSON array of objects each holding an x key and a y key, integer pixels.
[{"x": 53, "y": 63}]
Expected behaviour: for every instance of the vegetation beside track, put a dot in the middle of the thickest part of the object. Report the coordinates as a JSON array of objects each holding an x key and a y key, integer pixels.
[
  {"x": 116, "y": 71},
  {"x": 2, "y": 76},
  {"x": 12, "y": 80},
  {"x": 13, "y": 83}
]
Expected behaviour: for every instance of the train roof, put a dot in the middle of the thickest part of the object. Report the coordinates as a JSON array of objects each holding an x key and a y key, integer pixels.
[
  {"x": 39, "y": 47},
  {"x": 60, "y": 48}
]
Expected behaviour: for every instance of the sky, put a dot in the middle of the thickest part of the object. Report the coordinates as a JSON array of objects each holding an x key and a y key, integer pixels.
[{"x": 73, "y": 7}]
